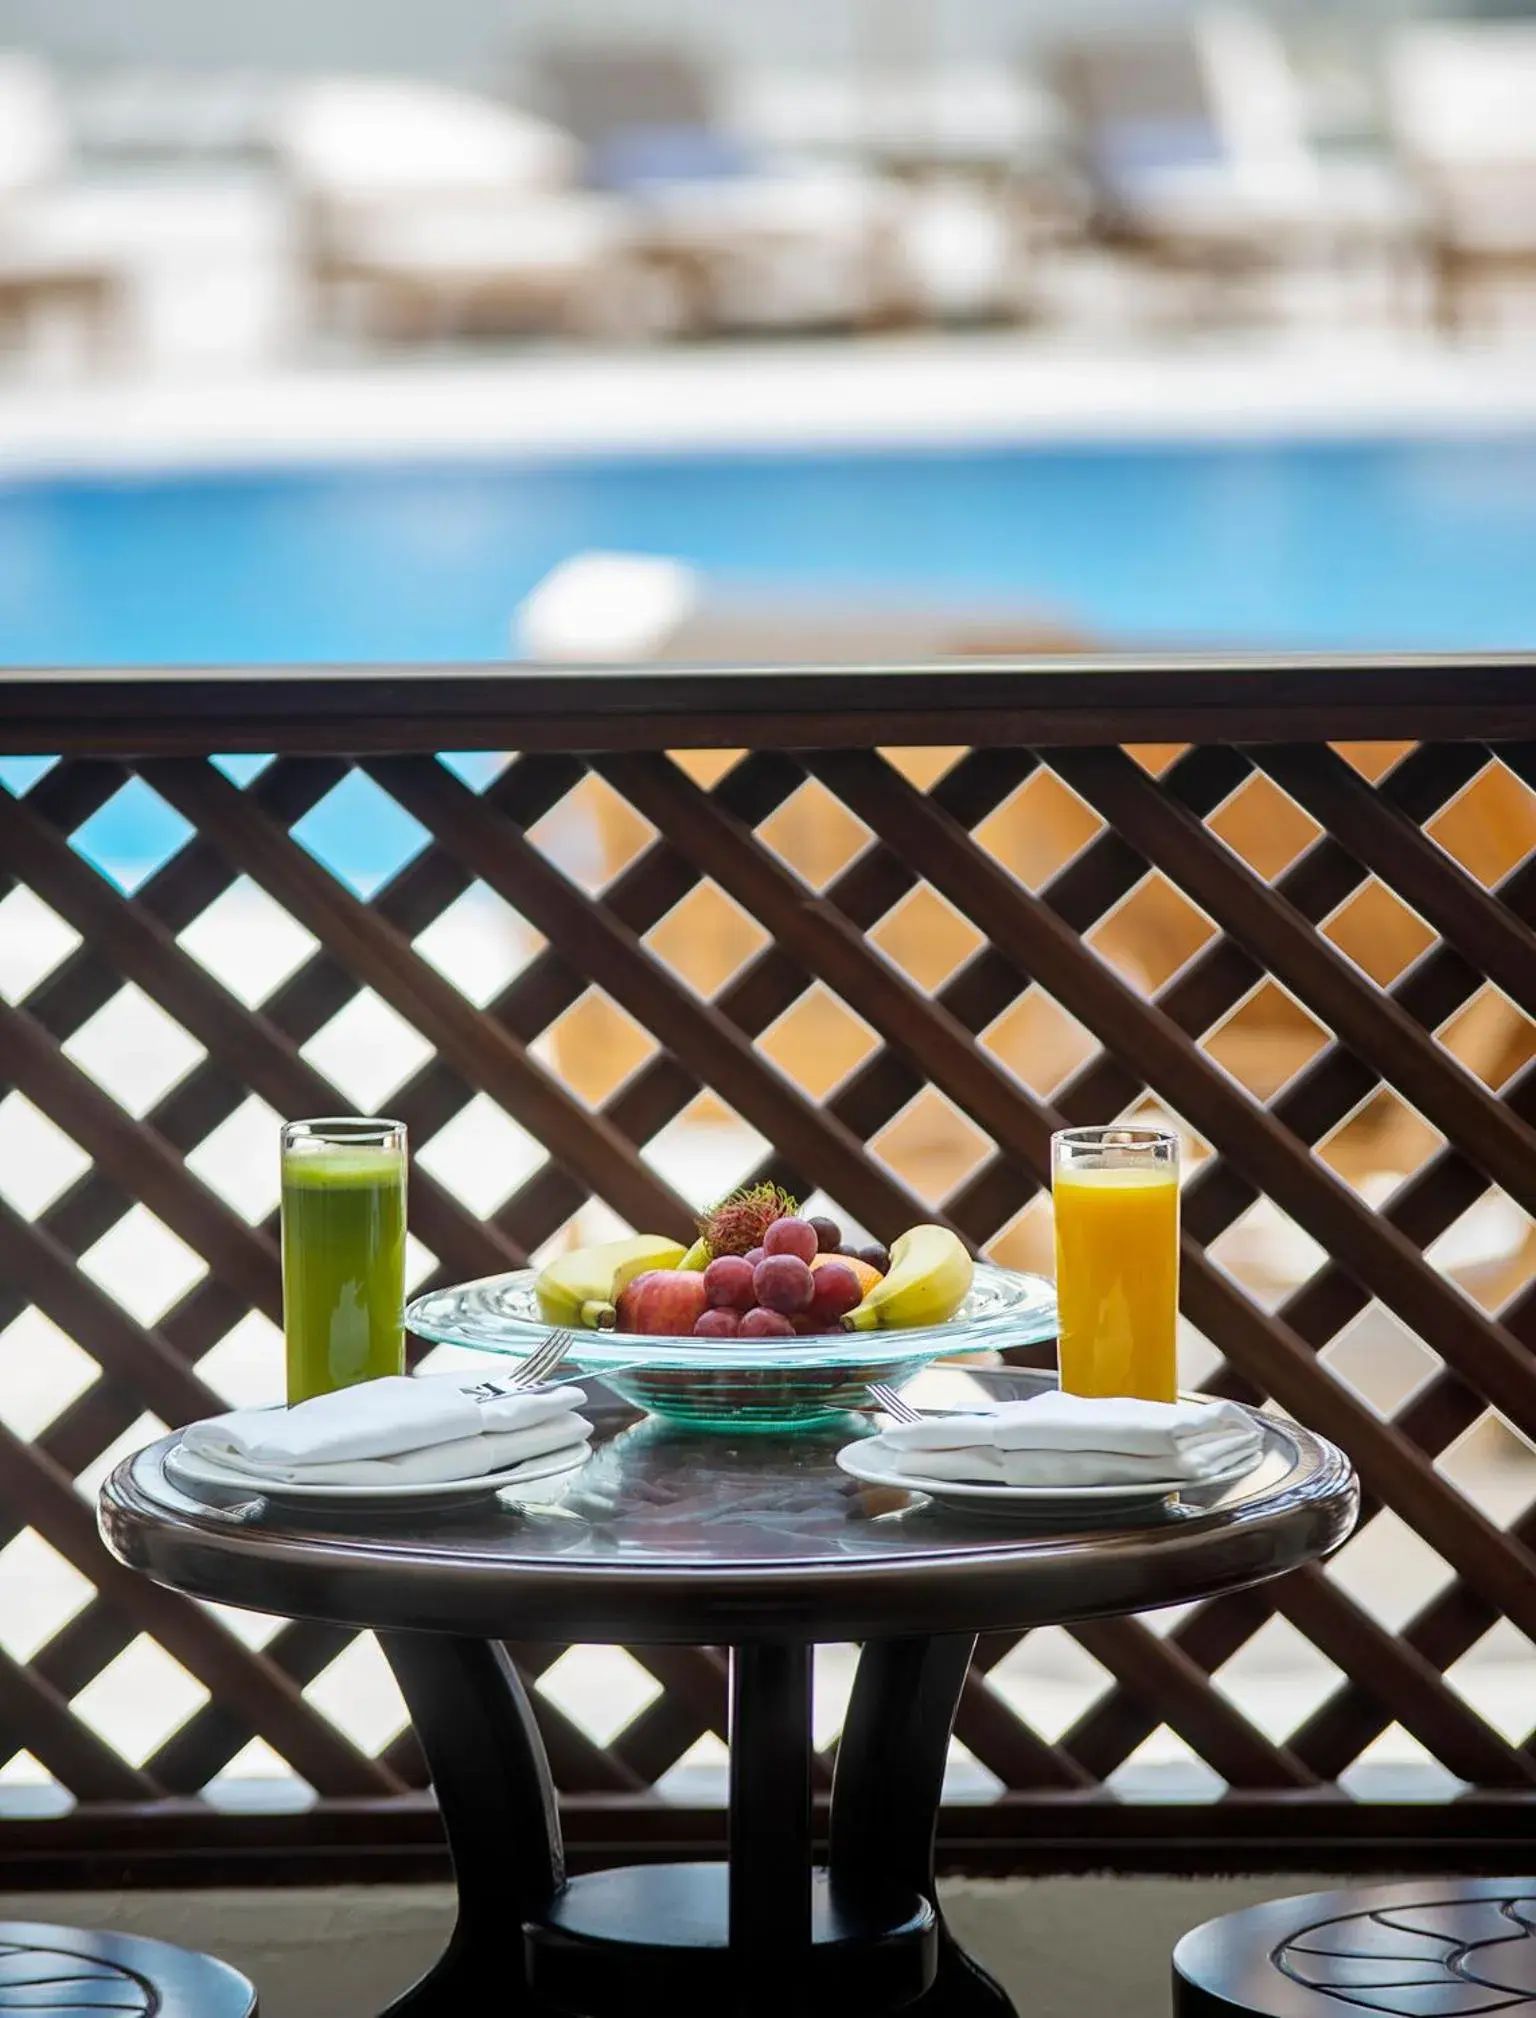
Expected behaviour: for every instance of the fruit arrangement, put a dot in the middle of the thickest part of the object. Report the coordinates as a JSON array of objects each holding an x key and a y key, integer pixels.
[{"x": 758, "y": 1270}]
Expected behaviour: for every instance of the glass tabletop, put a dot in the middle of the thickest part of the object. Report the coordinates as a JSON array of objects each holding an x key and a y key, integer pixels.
[{"x": 672, "y": 1534}]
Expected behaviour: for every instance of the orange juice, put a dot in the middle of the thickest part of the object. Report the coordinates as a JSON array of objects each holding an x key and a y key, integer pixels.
[{"x": 1117, "y": 1280}]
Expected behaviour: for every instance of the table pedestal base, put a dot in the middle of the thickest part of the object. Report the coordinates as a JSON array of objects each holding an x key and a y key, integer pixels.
[
  {"x": 658, "y": 1937},
  {"x": 761, "y": 1937}
]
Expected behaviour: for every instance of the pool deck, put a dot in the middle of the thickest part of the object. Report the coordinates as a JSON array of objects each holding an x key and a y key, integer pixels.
[{"x": 984, "y": 388}]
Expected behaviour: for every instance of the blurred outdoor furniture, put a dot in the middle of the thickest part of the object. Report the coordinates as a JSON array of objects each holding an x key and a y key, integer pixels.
[
  {"x": 932, "y": 118},
  {"x": 622, "y": 104},
  {"x": 796, "y": 247},
  {"x": 744, "y": 239},
  {"x": 437, "y": 212},
  {"x": 597, "y": 607},
  {"x": 161, "y": 115},
  {"x": 40, "y": 275},
  {"x": 1462, "y": 101},
  {"x": 1193, "y": 149},
  {"x": 36, "y": 286},
  {"x": 70, "y": 1971}
]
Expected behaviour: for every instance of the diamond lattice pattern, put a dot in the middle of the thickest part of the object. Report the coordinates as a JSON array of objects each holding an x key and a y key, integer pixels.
[{"x": 618, "y": 921}]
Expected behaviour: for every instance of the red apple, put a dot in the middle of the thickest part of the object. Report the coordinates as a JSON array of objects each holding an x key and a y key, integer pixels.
[{"x": 663, "y": 1303}]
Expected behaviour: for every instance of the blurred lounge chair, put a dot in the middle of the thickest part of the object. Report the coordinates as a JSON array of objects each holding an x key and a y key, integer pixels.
[
  {"x": 1462, "y": 104},
  {"x": 917, "y": 118},
  {"x": 1193, "y": 148},
  {"x": 966, "y": 140},
  {"x": 40, "y": 273},
  {"x": 744, "y": 240},
  {"x": 621, "y": 608},
  {"x": 444, "y": 213}
]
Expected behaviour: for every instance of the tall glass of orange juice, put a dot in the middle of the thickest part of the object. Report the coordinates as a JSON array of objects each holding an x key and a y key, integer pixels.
[{"x": 1116, "y": 1192}]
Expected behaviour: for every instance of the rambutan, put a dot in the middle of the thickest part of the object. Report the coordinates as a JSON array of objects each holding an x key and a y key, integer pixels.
[{"x": 738, "y": 1222}]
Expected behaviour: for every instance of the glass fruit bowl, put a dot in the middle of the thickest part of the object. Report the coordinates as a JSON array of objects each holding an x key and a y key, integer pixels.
[{"x": 741, "y": 1384}]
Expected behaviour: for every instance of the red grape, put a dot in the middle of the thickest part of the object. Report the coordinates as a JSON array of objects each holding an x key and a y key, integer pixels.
[
  {"x": 728, "y": 1282},
  {"x": 765, "y": 1324},
  {"x": 876, "y": 1255},
  {"x": 829, "y": 1235},
  {"x": 717, "y": 1323},
  {"x": 783, "y": 1282},
  {"x": 836, "y": 1291},
  {"x": 792, "y": 1236},
  {"x": 754, "y": 1255}
]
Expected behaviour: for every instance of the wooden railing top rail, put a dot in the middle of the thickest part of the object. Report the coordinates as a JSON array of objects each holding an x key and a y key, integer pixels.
[{"x": 1045, "y": 702}]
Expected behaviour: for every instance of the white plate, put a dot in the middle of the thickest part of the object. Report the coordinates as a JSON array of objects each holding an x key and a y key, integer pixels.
[
  {"x": 549, "y": 1473},
  {"x": 871, "y": 1461}
]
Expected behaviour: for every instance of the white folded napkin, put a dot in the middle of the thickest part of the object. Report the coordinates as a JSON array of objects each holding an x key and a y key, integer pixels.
[
  {"x": 464, "y": 1458},
  {"x": 394, "y": 1431},
  {"x": 1057, "y": 1439}
]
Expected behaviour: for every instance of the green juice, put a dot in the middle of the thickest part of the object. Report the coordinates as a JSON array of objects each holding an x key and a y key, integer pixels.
[{"x": 343, "y": 1267}]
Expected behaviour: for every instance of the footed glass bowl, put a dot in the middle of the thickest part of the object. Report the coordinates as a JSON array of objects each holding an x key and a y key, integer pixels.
[{"x": 746, "y": 1384}]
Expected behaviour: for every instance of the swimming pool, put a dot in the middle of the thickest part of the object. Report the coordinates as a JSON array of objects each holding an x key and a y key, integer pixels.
[{"x": 1368, "y": 544}]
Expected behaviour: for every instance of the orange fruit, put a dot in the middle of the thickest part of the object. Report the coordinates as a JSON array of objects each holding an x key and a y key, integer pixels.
[{"x": 867, "y": 1276}]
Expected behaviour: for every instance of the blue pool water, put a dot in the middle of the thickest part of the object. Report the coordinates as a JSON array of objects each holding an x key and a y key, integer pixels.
[{"x": 1422, "y": 545}]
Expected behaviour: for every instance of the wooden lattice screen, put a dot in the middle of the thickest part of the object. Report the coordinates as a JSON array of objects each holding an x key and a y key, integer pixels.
[{"x": 875, "y": 935}]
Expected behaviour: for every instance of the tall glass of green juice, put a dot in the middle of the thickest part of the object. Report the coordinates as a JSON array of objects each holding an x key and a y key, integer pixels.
[{"x": 343, "y": 1253}]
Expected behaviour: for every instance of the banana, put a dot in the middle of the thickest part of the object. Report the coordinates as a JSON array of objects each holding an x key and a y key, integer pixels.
[
  {"x": 698, "y": 1256},
  {"x": 928, "y": 1280},
  {"x": 582, "y": 1287}
]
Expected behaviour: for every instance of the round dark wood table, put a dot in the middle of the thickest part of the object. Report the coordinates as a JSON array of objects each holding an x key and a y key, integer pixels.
[{"x": 760, "y": 1544}]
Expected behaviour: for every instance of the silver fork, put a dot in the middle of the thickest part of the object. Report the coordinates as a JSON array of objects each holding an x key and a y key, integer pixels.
[
  {"x": 538, "y": 1366},
  {"x": 888, "y": 1399}
]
